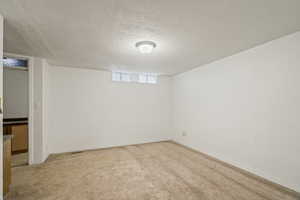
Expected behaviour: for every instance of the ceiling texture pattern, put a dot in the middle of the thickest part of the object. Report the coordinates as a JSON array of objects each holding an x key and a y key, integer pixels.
[{"x": 101, "y": 34}]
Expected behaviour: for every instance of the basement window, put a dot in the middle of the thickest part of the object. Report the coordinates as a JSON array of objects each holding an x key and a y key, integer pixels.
[
  {"x": 134, "y": 77},
  {"x": 15, "y": 63}
]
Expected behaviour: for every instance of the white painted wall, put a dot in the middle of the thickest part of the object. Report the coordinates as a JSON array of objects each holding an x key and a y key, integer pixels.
[
  {"x": 45, "y": 95},
  {"x": 245, "y": 110},
  {"x": 15, "y": 93},
  {"x": 1, "y": 115},
  {"x": 86, "y": 110},
  {"x": 38, "y": 139}
]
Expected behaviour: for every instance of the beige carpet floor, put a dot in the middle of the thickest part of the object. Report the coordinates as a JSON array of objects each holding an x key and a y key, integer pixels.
[{"x": 155, "y": 171}]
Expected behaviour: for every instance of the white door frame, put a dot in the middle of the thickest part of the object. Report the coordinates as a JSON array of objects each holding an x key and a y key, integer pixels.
[{"x": 31, "y": 104}]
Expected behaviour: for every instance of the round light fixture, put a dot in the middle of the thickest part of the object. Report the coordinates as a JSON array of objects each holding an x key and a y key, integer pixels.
[{"x": 145, "y": 46}]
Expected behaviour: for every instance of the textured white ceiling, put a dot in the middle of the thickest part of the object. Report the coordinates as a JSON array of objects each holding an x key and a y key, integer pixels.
[{"x": 102, "y": 33}]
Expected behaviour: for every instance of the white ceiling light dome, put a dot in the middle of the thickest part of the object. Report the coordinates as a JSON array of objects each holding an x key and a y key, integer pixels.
[{"x": 145, "y": 47}]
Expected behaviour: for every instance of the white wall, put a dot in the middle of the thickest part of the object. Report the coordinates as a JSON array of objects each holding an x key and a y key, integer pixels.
[
  {"x": 15, "y": 93},
  {"x": 38, "y": 139},
  {"x": 86, "y": 110},
  {"x": 45, "y": 96},
  {"x": 1, "y": 115},
  {"x": 245, "y": 110}
]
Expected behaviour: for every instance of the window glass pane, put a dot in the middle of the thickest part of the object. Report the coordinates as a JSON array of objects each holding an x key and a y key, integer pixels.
[
  {"x": 125, "y": 77},
  {"x": 134, "y": 77},
  {"x": 13, "y": 62},
  {"x": 152, "y": 79},
  {"x": 116, "y": 76},
  {"x": 143, "y": 78}
]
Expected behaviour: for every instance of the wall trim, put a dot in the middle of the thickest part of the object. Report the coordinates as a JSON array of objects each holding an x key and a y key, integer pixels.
[{"x": 103, "y": 148}]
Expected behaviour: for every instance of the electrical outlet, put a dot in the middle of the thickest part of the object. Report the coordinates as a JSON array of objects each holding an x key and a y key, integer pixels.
[{"x": 184, "y": 133}]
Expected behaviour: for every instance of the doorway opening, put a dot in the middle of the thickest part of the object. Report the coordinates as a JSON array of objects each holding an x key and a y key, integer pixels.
[{"x": 16, "y": 107}]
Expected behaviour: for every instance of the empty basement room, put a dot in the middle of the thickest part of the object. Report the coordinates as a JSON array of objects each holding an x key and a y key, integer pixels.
[{"x": 150, "y": 100}]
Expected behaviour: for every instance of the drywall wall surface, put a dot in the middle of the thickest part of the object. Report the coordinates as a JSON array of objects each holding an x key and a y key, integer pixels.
[
  {"x": 45, "y": 96},
  {"x": 87, "y": 110},
  {"x": 39, "y": 134},
  {"x": 245, "y": 110},
  {"x": 1, "y": 114},
  {"x": 15, "y": 93}
]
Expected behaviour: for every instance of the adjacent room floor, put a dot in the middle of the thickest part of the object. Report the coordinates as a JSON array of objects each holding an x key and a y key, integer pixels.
[
  {"x": 155, "y": 171},
  {"x": 19, "y": 160}
]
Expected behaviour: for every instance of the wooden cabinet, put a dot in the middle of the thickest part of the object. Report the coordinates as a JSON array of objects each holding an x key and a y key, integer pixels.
[{"x": 20, "y": 138}]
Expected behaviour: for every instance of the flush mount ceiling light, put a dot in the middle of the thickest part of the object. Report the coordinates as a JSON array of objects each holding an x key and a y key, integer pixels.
[{"x": 145, "y": 46}]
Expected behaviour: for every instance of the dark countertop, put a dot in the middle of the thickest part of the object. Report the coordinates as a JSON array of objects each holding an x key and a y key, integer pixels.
[{"x": 15, "y": 121}]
